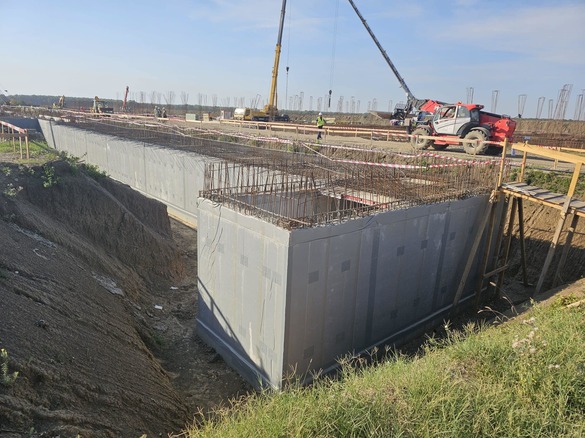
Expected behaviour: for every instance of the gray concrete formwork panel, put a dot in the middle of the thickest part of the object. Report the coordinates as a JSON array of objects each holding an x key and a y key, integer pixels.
[
  {"x": 23, "y": 122},
  {"x": 349, "y": 286},
  {"x": 275, "y": 300},
  {"x": 241, "y": 282},
  {"x": 170, "y": 176}
]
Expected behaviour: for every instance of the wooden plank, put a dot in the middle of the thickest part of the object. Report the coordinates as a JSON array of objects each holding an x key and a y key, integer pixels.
[
  {"x": 549, "y": 153},
  {"x": 550, "y": 254},
  {"x": 496, "y": 271},
  {"x": 508, "y": 244},
  {"x": 522, "y": 242},
  {"x": 566, "y": 247},
  {"x": 484, "y": 220},
  {"x": 575, "y": 205}
]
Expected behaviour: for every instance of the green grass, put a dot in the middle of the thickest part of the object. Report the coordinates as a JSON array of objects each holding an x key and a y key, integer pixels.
[
  {"x": 525, "y": 378},
  {"x": 39, "y": 151},
  {"x": 554, "y": 181}
]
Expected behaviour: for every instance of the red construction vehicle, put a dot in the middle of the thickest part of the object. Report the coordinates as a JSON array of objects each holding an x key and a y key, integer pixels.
[{"x": 451, "y": 122}]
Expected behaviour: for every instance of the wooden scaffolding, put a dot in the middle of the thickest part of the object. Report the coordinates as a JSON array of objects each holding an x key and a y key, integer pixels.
[{"x": 511, "y": 195}]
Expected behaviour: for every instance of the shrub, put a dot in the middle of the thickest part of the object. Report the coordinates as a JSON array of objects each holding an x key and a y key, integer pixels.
[{"x": 6, "y": 378}]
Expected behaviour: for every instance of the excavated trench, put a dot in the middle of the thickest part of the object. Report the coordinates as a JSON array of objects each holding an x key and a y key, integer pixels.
[{"x": 98, "y": 300}]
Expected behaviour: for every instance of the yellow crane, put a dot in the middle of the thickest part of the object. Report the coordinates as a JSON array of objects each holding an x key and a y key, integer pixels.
[
  {"x": 271, "y": 107},
  {"x": 270, "y": 111}
]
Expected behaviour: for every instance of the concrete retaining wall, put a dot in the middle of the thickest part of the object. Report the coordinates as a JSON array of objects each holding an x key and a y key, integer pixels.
[
  {"x": 171, "y": 176},
  {"x": 274, "y": 301},
  {"x": 22, "y": 122}
]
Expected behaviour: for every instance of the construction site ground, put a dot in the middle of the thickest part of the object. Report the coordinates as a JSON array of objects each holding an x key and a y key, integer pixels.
[
  {"x": 98, "y": 303},
  {"x": 308, "y": 134}
]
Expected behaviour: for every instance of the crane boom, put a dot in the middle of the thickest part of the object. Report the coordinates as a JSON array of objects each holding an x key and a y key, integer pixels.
[
  {"x": 271, "y": 108},
  {"x": 410, "y": 97}
]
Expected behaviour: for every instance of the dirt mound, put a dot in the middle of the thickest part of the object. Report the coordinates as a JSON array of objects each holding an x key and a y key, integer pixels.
[{"x": 76, "y": 259}]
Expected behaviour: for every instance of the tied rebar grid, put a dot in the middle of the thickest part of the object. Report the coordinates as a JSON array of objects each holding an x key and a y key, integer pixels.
[
  {"x": 222, "y": 145},
  {"x": 296, "y": 184},
  {"x": 234, "y": 147},
  {"x": 293, "y": 196}
]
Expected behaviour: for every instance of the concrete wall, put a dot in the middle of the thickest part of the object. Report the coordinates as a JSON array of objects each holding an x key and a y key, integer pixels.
[
  {"x": 337, "y": 289},
  {"x": 242, "y": 276},
  {"x": 22, "y": 122},
  {"x": 274, "y": 300},
  {"x": 173, "y": 177},
  {"x": 363, "y": 282}
]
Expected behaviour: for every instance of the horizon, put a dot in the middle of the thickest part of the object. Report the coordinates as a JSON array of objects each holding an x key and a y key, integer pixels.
[{"x": 514, "y": 57}]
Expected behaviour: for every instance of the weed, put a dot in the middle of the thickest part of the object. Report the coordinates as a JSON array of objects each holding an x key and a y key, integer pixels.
[
  {"x": 553, "y": 181},
  {"x": 11, "y": 191},
  {"x": 6, "y": 378},
  {"x": 95, "y": 171},
  {"x": 158, "y": 339},
  {"x": 565, "y": 300},
  {"x": 6, "y": 170},
  {"x": 523, "y": 378},
  {"x": 49, "y": 177}
]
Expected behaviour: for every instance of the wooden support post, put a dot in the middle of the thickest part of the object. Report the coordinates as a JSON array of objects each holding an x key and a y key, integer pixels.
[
  {"x": 502, "y": 164},
  {"x": 550, "y": 254},
  {"x": 484, "y": 220},
  {"x": 566, "y": 247},
  {"x": 501, "y": 228},
  {"x": 522, "y": 242},
  {"x": 558, "y": 231},
  {"x": 508, "y": 244},
  {"x": 523, "y": 167},
  {"x": 486, "y": 253}
]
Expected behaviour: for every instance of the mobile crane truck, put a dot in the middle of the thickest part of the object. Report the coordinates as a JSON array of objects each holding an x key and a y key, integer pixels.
[
  {"x": 270, "y": 111},
  {"x": 450, "y": 122}
]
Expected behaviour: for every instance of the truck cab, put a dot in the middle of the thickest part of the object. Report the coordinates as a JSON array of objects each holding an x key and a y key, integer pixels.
[{"x": 454, "y": 119}]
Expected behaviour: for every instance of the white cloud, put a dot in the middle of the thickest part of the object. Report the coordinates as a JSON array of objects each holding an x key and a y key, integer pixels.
[{"x": 546, "y": 34}]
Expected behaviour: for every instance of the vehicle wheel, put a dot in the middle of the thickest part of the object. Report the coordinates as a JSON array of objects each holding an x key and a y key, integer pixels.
[
  {"x": 479, "y": 146},
  {"x": 421, "y": 143},
  {"x": 439, "y": 147},
  {"x": 493, "y": 150}
]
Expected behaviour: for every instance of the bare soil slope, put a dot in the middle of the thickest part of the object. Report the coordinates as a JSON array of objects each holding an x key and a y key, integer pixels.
[{"x": 83, "y": 263}]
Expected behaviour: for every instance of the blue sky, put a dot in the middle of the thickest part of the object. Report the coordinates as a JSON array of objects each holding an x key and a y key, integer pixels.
[{"x": 224, "y": 50}]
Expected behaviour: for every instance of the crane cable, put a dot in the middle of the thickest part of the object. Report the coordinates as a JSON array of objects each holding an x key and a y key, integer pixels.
[{"x": 333, "y": 53}]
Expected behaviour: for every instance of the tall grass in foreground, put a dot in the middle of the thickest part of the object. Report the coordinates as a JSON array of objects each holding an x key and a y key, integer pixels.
[{"x": 525, "y": 378}]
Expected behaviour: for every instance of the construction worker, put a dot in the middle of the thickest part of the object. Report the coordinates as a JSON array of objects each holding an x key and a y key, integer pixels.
[{"x": 320, "y": 124}]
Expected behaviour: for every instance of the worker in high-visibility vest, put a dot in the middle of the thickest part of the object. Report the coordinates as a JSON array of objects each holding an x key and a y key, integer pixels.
[{"x": 320, "y": 124}]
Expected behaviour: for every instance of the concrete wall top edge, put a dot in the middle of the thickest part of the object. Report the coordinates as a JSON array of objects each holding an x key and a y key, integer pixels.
[
  {"x": 251, "y": 223},
  {"x": 303, "y": 235}
]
